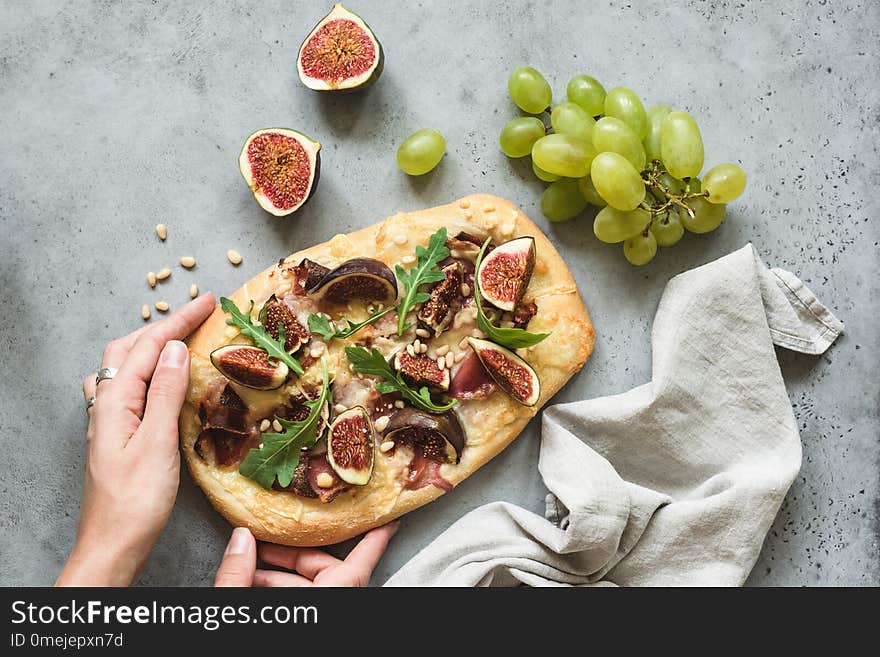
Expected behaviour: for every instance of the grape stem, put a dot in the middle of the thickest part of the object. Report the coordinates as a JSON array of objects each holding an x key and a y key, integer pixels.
[{"x": 665, "y": 198}]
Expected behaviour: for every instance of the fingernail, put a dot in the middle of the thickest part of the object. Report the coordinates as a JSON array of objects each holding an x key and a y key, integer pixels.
[
  {"x": 238, "y": 544},
  {"x": 174, "y": 354}
]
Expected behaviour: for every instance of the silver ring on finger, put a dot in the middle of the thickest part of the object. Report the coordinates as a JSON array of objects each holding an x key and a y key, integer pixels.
[
  {"x": 90, "y": 402},
  {"x": 105, "y": 373}
]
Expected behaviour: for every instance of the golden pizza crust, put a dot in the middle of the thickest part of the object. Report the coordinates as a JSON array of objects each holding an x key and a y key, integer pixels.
[{"x": 490, "y": 424}]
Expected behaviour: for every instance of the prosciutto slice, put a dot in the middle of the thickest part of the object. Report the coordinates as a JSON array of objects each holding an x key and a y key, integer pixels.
[
  {"x": 317, "y": 466},
  {"x": 471, "y": 380}
]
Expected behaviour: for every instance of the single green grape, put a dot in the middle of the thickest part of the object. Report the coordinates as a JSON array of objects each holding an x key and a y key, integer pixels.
[
  {"x": 529, "y": 90},
  {"x": 640, "y": 249},
  {"x": 681, "y": 145},
  {"x": 655, "y": 115},
  {"x": 724, "y": 182},
  {"x": 612, "y": 225},
  {"x": 518, "y": 136},
  {"x": 546, "y": 176},
  {"x": 562, "y": 200},
  {"x": 587, "y": 92},
  {"x": 421, "y": 152},
  {"x": 573, "y": 120},
  {"x": 589, "y": 192},
  {"x": 564, "y": 156},
  {"x": 672, "y": 184},
  {"x": 667, "y": 229},
  {"x": 617, "y": 181},
  {"x": 612, "y": 134},
  {"x": 693, "y": 186},
  {"x": 707, "y": 216},
  {"x": 624, "y": 104}
]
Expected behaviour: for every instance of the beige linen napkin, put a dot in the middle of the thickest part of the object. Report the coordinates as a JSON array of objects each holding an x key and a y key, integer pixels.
[{"x": 675, "y": 482}]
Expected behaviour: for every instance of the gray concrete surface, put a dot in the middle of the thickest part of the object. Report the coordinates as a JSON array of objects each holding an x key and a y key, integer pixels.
[{"x": 117, "y": 115}]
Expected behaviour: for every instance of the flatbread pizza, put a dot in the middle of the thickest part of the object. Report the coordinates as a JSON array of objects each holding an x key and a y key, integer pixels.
[{"x": 361, "y": 378}]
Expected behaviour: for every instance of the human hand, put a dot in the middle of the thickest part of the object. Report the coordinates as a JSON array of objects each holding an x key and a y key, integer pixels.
[
  {"x": 132, "y": 461},
  {"x": 312, "y": 567}
]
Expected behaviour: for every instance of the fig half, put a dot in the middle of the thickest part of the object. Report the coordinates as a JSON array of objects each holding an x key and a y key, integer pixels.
[
  {"x": 350, "y": 446},
  {"x": 249, "y": 366},
  {"x": 281, "y": 167},
  {"x": 366, "y": 279},
  {"x": 421, "y": 370},
  {"x": 438, "y": 436},
  {"x": 436, "y": 313},
  {"x": 274, "y": 313},
  {"x": 505, "y": 272},
  {"x": 512, "y": 374},
  {"x": 341, "y": 53}
]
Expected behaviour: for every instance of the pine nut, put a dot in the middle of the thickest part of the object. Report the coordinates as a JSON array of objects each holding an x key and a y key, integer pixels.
[
  {"x": 316, "y": 351},
  {"x": 264, "y": 425},
  {"x": 441, "y": 363},
  {"x": 277, "y": 426},
  {"x": 234, "y": 256},
  {"x": 381, "y": 423},
  {"x": 193, "y": 291},
  {"x": 381, "y": 306},
  {"x": 442, "y": 350},
  {"x": 145, "y": 311},
  {"x": 387, "y": 446},
  {"x": 324, "y": 480},
  {"x": 464, "y": 204},
  {"x": 408, "y": 259},
  {"x": 460, "y": 356},
  {"x": 230, "y": 332},
  {"x": 151, "y": 279},
  {"x": 422, "y": 333},
  {"x": 162, "y": 306},
  {"x": 488, "y": 208},
  {"x": 399, "y": 404},
  {"x": 468, "y": 214},
  {"x": 463, "y": 344},
  {"x": 339, "y": 408},
  {"x": 188, "y": 261},
  {"x": 423, "y": 349},
  {"x": 417, "y": 345},
  {"x": 465, "y": 290},
  {"x": 450, "y": 359},
  {"x": 400, "y": 240},
  {"x": 162, "y": 231},
  {"x": 507, "y": 230},
  {"x": 410, "y": 350},
  {"x": 163, "y": 274}
]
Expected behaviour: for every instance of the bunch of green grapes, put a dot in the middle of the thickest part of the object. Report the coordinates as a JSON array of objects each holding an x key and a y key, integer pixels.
[{"x": 639, "y": 166}]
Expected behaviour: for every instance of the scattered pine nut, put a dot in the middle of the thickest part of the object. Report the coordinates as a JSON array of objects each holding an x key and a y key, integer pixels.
[
  {"x": 188, "y": 261},
  {"x": 423, "y": 349},
  {"x": 488, "y": 208},
  {"x": 234, "y": 256},
  {"x": 468, "y": 214},
  {"x": 162, "y": 231},
  {"x": 324, "y": 480},
  {"x": 463, "y": 344},
  {"x": 193, "y": 291},
  {"x": 162, "y": 306},
  {"x": 400, "y": 239},
  {"x": 460, "y": 356},
  {"x": 408, "y": 259},
  {"x": 381, "y": 423},
  {"x": 450, "y": 359},
  {"x": 410, "y": 350},
  {"x": 264, "y": 425},
  {"x": 422, "y": 333},
  {"x": 316, "y": 351},
  {"x": 399, "y": 404},
  {"x": 339, "y": 408},
  {"x": 464, "y": 204},
  {"x": 145, "y": 312},
  {"x": 387, "y": 446},
  {"x": 441, "y": 363},
  {"x": 151, "y": 279},
  {"x": 417, "y": 345},
  {"x": 507, "y": 230},
  {"x": 163, "y": 274},
  {"x": 277, "y": 426},
  {"x": 230, "y": 332},
  {"x": 442, "y": 350},
  {"x": 465, "y": 290}
]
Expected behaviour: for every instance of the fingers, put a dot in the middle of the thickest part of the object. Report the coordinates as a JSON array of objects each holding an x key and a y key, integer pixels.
[
  {"x": 274, "y": 578},
  {"x": 141, "y": 359},
  {"x": 239, "y": 560},
  {"x": 366, "y": 554},
  {"x": 165, "y": 396},
  {"x": 306, "y": 561}
]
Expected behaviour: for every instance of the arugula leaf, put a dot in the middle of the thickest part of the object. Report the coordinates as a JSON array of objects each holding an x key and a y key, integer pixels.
[
  {"x": 279, "y": 455},
  {"x": 425, "y": 271},
  {"x": 512, "y": 338},
  {"x": 373, "y": 362},
  {"x": 321, "y": 325},
  {"x": 259, "y": 334}
]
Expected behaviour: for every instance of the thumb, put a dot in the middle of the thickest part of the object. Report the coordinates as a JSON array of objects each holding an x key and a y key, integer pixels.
[
  {"x": 167, "y": 391},
  {"x": 239, "y": 561}
]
